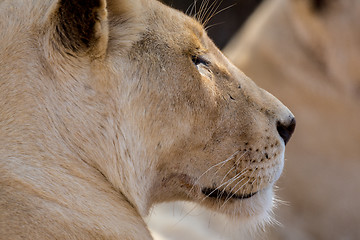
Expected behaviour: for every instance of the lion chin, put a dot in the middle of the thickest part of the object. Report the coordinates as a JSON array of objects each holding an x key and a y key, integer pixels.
[{"x": 108, "y": 107}]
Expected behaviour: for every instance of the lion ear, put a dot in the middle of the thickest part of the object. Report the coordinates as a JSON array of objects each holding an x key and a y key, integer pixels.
[{"x": 81, "y": 26}]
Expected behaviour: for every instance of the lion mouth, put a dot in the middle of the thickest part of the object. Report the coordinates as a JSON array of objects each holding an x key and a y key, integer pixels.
[{"x": 220, "y": 194}]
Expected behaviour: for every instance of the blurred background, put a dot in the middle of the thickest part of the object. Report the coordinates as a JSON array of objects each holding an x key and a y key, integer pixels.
[
  {"x": 307, "y": 54},
  {"x": 231, "y": 15}
]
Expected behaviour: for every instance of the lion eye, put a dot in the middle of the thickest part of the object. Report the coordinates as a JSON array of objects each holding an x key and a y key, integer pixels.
[{"x": 197, "y": 60}]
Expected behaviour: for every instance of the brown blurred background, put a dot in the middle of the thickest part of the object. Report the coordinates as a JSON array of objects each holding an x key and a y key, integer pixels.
[{"x": 306, "y": 53}]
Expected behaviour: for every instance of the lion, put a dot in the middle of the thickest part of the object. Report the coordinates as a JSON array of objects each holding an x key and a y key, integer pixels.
[
  {"x": 307, "y": 54},
  {"x": 109, "y": 107}
]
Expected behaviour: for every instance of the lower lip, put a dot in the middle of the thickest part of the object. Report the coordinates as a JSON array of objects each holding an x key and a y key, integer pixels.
[{"x": 218, "y": 194}]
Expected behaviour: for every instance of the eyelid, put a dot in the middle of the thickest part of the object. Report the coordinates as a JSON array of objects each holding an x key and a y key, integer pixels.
[{"x": 198, "y": 59}]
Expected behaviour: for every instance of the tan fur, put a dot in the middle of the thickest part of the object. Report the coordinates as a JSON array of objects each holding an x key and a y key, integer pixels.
[
  {"x": 310, "y": 58},
  {"x": 104, "y": 113}
]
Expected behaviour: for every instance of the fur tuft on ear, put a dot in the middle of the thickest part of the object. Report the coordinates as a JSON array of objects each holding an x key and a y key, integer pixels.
[{"x": 81, "y": 26}]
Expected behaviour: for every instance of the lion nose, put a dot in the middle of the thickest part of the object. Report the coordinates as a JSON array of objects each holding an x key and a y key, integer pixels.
[{"x": 286, "y": 128}]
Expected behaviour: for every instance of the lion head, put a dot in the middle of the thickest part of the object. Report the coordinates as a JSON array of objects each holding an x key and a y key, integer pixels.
[{"x": 139, "y": 92}]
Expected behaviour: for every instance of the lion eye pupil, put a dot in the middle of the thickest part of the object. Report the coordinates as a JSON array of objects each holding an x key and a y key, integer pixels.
[{"x": 197, "y": 60}]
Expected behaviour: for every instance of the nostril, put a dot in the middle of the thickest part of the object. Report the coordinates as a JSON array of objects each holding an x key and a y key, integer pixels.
[{"x": 286, "y": 129}]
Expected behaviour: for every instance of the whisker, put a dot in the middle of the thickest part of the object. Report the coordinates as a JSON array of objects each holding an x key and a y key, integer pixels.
[
  {"x": 193, "y": 6},
  {"x": 213, "y": 25},
  {"x": 232, "y": 156},
  {"x": 228, "y": 172},
  {"x": 236, "y": 177},
  {"x": 188, "y": 8},
  {"x": 229, "y": 197},
  {"x": 243, "y": 184},
  {"x": 230, "y": 169},
  {"x": 209, "y": 169},
  {"x": 218, "y": 12},
  {"x": 206, "y": 11},
  {"x": 230, "y": 181},
  {"x": 195, "y": 3},
  {"x": 217, "y": 188},
  {"x": 201, "y": 9},
  {"x": 244, "y": 190},
  {"x": 187, "y": 214},
  {"x": 232, "y": 189},
  {"x": 211, "y": 10}
]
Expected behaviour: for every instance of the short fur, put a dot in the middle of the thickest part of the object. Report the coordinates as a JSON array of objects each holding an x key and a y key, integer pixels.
[{"x": 107, "y": 108}]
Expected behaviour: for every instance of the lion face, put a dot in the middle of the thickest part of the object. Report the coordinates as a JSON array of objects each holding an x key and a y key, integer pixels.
[
  {"x": 214, "y": 136},
  {"x": 137, "y": 92}
]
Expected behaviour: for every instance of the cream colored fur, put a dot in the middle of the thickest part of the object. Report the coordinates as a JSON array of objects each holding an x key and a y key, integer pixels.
[{"x": 107, "y": 108}]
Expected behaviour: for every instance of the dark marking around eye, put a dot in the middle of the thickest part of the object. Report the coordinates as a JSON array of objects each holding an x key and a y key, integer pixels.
[
  {"x": 197, "y": 60},
  {"x": 231, "y": 97}
]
